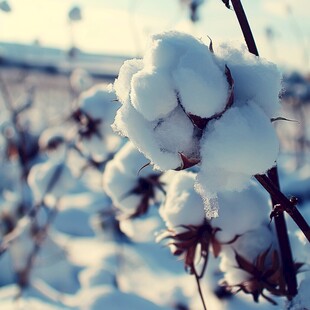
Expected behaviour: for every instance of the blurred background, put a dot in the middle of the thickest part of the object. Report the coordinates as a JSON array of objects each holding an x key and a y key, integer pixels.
[
  {"x": 51, "y": 53},
  {"x": 122, "y": 27}
]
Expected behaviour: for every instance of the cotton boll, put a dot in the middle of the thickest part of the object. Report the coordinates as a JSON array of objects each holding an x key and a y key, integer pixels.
[
  {"x": 80, "y": 80},
  {"x": 240, "y": 212},
  {"x": 166, "y": 49},
  {"x": 94, "y": 147},
  {"x": 117, "y": 186},
  {"x": 97, "y": 109},
  {"x": 152, "y": 94},
  {"x": 175, "y": 134},
  {"x": 255, "y": 78},
  {"x": 183, "y": 206},
  {"x": 50, "y": 178},
  {"x": 240, "y": 144},
  {"x": 99, "y": 102},
  {"x": 250, "y": 245},
  {"x": 130, "y": 123},
  {"x": 122, "y": 84},
  {"x": 130, "y": 161},
  {"x": 201, "y": 83}
]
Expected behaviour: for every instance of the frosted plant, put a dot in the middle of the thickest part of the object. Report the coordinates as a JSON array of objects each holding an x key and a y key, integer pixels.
[
  {"x": 94, "y": 116},
  {"x": 182, "y": 105},
  {"x": 131, "y": 189}
]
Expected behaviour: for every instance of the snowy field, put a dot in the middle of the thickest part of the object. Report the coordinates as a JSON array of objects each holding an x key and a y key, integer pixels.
[{"x": 81, "y": 226}]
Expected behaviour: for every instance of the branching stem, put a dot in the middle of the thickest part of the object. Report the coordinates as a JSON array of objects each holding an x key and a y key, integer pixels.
[{"x": 271, "y": 183}]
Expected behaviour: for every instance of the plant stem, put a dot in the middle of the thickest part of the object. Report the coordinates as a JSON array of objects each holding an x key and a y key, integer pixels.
[
  {"x": 271, "y": 183},
  {"x": 199, "y": 287},
  {"x": 279, "y": 199},
  {"x": 288, "y": 267},
  {"x": 245, "y": 27}
]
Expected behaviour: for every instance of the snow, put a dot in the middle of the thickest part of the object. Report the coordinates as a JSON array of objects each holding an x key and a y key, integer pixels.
[
  {"x": 122, "y": 176},
  {"x": 97, "y": 107},
  {"x": 262, "y": 78},
  {"x": 181, "y": 81},
  {"x": 251, "y": 204},
  {"x": 183, "y": 206},
  {"x": 237, "y": 146}
]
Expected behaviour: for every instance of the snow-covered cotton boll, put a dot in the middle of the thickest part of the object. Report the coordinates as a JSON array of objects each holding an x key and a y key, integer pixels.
[
  {"x": 158, "y": 97},
  {"x": 80, "y": 80},
  {"x": 249, "y": 245},
  {"x": 149, "y": 91},
  {"x": 240, "y": 212},
  {"x": 240, "y": 144},
  {"x": 96, "y": 111},
  {"x": 126, "y": 186},
  {"x": 183, "y": 206},
  {"x": 255, "y": 78},
  {"x": 50, "y": 179},
  {"x": 53, "y": 142},
  {"x": 123, "y": 81}
]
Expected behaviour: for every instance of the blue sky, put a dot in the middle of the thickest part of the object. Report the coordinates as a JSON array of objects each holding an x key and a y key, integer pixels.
[{"x": 123, "y": 26}]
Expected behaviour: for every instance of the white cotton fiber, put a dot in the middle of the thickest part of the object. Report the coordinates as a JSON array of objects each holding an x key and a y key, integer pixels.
[
  {"x": 122, "y": 83},
  {"x": 202, "y": 85},
  {"x": 240, "y": 212},
  {"x": 249, "y": 246},
  {"x": 153, "y": 94},
  {"x": 99, "y": 102},
  {"x": 130, "y": 123},
  {"x": 118, "y": 185},
  {"x": 240, "y": 144},
  {"x": 175, "y": 134},
  {"x": 183, "y": 206},
  {"x": 121, "y": 176},
  {"x": 255, "y": 78},
  {"x": 166, "y": 49}
]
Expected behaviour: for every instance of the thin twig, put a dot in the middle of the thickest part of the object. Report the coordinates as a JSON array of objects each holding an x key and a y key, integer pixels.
[
  {"x": 199, "y": 287},
  {"x": 245, "y": 27}
]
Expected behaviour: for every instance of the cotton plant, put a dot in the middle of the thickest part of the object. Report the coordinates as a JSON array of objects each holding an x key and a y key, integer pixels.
[
  {"x": 130, "y": 182},
  {"x": 241, "y": 237},
  {"x": 96, "y": 109},
  {"x": 182, "y": 105}
]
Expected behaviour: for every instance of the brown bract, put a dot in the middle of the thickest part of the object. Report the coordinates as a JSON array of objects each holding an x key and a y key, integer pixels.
[
  {"x": 146, "y": 188},
  {"x": 262, "y": 276},
  {"x": 193, "y": 245}
]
